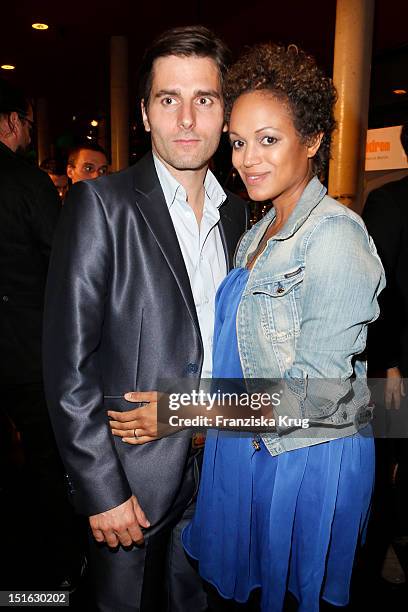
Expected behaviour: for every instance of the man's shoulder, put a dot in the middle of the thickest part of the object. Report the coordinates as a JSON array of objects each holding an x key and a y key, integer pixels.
[
  {"x": 394, "y": 192},
  {"x": 141, "y": 176},
  {"x": 27, "y": 174},
  {"x": 234, "y": 202}
]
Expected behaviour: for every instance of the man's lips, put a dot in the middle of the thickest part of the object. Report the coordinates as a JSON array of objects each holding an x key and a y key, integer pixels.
[
  {"x": 255, "y": 178},
  {"x": 186, "y": 141}
]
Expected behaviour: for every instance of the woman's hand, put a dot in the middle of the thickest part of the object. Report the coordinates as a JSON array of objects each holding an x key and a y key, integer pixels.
[{"x": 139, "y": 425}]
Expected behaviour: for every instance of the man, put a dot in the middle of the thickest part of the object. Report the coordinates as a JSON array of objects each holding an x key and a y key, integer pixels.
[
  {"x": 386, "y": 216},
  {"x": 57, "y": 175},
  {"x": 29, "y": 210},
  {"x": 137, "y": 262},
  {"x": 86, "y": 161}
]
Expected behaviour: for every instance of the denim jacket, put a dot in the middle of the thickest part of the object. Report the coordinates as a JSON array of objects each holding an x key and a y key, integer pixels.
[{"x": 303, "y": 317}]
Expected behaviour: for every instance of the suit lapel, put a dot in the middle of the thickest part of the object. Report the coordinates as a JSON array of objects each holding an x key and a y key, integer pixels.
[
  {"x": 228, "y": 239},
  {"x": 153, "y": 207}
]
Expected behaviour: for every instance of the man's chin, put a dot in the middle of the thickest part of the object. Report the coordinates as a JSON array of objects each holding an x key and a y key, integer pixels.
[{"x": 188, "y": 163}]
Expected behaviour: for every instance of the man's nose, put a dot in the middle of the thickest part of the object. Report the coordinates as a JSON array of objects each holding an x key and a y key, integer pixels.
[{"x": 187, "y": 116}]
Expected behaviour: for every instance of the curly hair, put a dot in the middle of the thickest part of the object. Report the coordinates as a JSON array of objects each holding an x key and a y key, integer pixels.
[{"x": 293, "y": 77}]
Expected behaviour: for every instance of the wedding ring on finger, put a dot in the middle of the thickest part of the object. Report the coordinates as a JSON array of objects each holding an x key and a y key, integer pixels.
[{"x": 135, "y": 433}]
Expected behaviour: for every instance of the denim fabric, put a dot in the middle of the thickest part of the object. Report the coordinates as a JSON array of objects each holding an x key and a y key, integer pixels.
[{"x": 304, "y": 313}]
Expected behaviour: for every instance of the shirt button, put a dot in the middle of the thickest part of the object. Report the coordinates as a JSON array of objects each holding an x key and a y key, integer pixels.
[
  {"x": 192, "y": 367},
  {"x": 5, "y": 298},
  {"x": 280, "y": 290},
  {"x": 344, "y": 415}
]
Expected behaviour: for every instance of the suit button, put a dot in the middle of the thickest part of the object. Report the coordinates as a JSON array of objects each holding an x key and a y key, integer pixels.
[
  {"x": 192, "y": 368},
  {"x": 5, "y": 298}
]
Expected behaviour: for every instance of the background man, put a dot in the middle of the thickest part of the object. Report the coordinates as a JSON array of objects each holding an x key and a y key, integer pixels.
[
  {"x": 29, "y": 209},
  {"x": 386, "y": 217},
  {"x": 86, "y": 161},
  {"x": 137, "y": 261}
]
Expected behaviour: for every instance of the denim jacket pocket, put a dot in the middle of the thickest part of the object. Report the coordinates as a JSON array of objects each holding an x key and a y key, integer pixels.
[{"x": 278, "y": 300}]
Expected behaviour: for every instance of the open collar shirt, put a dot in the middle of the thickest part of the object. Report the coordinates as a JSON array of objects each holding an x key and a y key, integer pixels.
[{"x": 201, "y": 247}]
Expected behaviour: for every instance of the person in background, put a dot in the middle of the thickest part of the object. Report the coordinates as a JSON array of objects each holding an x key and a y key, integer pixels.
[
  {"x": 29, "y": 210},
  {"x": 386, "y": 217},
  {"x": 57, "y": 175},
  {"x": 86, "y": 161}
]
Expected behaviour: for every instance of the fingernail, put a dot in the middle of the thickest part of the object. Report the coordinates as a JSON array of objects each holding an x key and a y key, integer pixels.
[{"x": 128, "y": 396}]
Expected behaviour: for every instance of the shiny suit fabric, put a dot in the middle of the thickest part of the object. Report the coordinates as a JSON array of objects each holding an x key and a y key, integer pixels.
[{"x": 120, "y": 316}]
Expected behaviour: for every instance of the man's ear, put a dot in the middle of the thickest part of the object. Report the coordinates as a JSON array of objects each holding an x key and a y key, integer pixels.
[
  {"x": 144, "y": 116},
  {"x": 70, "y": 171},
  {"x": 314, "y": 145},
  {"x": 13, "y": 120}
]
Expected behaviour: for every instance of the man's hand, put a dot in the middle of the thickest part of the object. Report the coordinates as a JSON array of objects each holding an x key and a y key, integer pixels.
[
  {"x": 120, "y": 525},
  {"x": 136, "y": 426},
  {"x": 394, "y": 389}
]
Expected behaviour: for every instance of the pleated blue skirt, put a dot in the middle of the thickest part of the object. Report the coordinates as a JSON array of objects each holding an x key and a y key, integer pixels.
[{"x": 287, "y": 522}]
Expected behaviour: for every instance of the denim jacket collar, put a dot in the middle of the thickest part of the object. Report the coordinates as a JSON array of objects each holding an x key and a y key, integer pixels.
[{"x": 310, "y": 198}]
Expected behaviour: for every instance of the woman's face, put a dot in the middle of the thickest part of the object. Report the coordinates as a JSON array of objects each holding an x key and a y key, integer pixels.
[{"x": 266, "y": 149}]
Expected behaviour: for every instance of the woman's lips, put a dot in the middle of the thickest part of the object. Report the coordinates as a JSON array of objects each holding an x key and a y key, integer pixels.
[{"x": 255, "y": 179}]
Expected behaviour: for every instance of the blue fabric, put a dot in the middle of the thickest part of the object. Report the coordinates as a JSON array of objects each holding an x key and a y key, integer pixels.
[{"x": 292, "y": 520}]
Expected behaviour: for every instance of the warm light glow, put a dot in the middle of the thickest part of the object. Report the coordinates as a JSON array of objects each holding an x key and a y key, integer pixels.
[
  {"x": 8, "y": 67},
  {"x": 399, "y": 92},
  {"x": 94, "y": 123},
  {"x": 89, "y": 137},
  {"x": 39, "y": 26}
]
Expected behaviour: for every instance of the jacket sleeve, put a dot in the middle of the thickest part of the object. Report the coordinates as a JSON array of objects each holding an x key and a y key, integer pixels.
[
  {"x": 383, "y": 220},
  {"x": 77, "y": 287},
  {"x": 343, "y": 276}
]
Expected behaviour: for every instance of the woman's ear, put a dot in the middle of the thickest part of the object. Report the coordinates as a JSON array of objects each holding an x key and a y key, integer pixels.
[{"x": 314, "y": 144}]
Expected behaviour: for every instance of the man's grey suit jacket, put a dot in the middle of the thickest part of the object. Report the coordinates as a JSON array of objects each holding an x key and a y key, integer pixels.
[{"x": 119, "y": 316}]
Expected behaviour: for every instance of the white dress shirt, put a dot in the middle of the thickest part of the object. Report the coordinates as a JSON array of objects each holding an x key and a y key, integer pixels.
[{"x": 201, "y": 247}]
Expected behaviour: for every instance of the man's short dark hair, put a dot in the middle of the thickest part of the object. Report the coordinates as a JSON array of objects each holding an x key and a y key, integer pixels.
[
  {"x": 13, "y": 99},
  {"x": 404, "y": 137},
  {"x": 87, "y": 146},
  {"x": 183, "y": 41}
]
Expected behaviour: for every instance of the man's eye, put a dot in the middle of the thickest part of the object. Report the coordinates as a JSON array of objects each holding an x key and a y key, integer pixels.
[
  {"x": 204, "y": 101},
  {"x": 269, "y": 140},
  {"x": 237, "y": 144},
  {"x": 168, "y": 101},
  {"x": 88, "y": 168},
  {"x": 102, "y": 171}
]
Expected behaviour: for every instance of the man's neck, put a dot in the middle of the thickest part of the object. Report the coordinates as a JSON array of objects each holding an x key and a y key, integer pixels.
[
  {"x": 6, "y": 142},
  {"x": 193, "y": 183}
]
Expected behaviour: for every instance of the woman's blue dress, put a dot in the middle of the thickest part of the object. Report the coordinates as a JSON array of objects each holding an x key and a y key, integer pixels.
[{"x": 290, "y": 521}]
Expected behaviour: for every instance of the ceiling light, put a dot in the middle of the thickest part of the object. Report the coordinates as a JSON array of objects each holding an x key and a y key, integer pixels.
[
  {"x": 8, "y": 67},
  {"x": 94, "y": 123},
  {"x": 399, "y": 92},
  {"x": 89, "y": 137},
  {"x": 39, "y": 26}
]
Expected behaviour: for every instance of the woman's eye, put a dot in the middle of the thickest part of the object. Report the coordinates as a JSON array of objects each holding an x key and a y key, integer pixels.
[
  {"x": 237, "y": 144},
  {"x": 268, "y": 140}
]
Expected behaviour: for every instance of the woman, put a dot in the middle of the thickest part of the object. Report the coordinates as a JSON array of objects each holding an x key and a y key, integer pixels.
[
  {"x": 284, "y": 510},
  {"x": 295, "y": 307}
]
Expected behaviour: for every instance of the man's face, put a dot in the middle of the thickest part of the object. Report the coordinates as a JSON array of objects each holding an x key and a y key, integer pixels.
[
  {"x": 185, "y": 113},
  {"x": 88, "y": 165}
]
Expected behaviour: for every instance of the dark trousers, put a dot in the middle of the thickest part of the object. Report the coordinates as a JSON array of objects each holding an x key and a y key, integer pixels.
[
  {"x": 155, "y": 578},
  {"x": 49, "y": 523}
]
